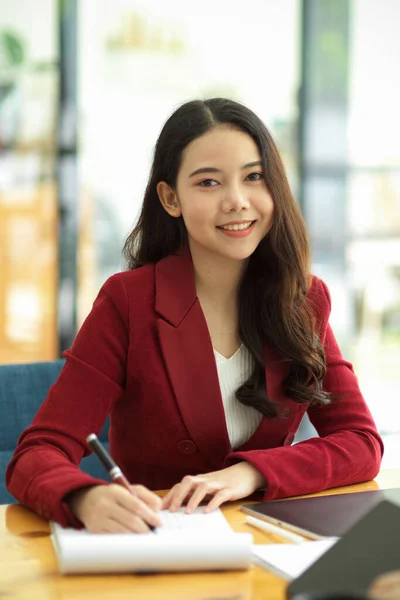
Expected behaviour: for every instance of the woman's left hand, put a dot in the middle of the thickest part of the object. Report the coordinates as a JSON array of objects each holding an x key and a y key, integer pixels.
[{"x": 231, "y": 483}]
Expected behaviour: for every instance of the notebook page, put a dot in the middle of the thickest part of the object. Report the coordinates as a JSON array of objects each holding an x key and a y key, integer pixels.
[
  {"x": 290, "y": 560},
  {"x": 198, "y": 522}
]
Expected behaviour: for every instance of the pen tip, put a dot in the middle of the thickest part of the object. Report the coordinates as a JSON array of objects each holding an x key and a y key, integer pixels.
[{"x": 91, "y": 437}]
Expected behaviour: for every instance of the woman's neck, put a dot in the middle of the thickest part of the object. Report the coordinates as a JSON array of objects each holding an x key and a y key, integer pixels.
[{"x": 217, "y": 277}]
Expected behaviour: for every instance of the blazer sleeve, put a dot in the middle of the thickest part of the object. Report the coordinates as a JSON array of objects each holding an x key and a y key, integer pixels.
[
  {"x": 349, "y": 449},
  {"x": 44, "y": 468}
]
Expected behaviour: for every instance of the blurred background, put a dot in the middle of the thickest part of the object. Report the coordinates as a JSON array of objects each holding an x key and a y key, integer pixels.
[{"x": 85, "y": 87}]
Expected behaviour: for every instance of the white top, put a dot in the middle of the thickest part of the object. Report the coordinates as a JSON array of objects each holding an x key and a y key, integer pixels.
[{"x": 241, "y": 420}]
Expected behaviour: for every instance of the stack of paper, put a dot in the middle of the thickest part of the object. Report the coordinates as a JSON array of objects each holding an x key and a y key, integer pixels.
[
  {"x": 184, "y": 543},
  {"x": 290, "y": 560}
]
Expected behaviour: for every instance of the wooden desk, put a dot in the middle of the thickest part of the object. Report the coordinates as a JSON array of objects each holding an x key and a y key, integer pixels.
[{"x": 28, "y": 568}]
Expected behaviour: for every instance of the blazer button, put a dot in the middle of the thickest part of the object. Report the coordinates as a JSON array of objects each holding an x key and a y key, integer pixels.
[
  {"x": 288, "y": 441},
  {"x": 186, "y": 447}
]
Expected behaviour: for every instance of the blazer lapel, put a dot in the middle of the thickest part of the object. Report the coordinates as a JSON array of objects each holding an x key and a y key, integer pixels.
[{"x": 189, "y": 358}]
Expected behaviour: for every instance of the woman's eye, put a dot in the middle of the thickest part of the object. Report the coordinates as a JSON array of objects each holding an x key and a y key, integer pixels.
[
  {"x": 255, "y": 176},
  {"x": 208, "y": 183}
]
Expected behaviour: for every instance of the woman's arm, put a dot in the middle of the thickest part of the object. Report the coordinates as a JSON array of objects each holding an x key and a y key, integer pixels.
[
  {"x": 44, "y": 468},
  {"x": 349, "y": 449}
]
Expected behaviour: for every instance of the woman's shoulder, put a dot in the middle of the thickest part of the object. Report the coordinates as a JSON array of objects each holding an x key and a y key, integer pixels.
[
  {"x": 130, "y": 287},
  {"x": 318, "y": 295},
  {"x": 141, "y": 276}
]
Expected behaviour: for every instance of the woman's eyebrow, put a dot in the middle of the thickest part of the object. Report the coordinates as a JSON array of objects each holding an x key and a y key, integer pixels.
[
  {"x": 255, "y": 163},
  {"x": 205, "y": 170}
]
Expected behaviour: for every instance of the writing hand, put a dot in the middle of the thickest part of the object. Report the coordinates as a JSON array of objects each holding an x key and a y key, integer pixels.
[
  {"x": 232, "y": 483},
  {"x": 112, "y": 509}
]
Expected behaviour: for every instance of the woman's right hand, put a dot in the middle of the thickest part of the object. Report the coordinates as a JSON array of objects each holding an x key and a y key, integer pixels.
[{"x": 112, "y": 509}]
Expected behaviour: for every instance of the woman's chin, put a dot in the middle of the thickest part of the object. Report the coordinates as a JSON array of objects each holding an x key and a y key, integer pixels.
[{"x": 237, "y": 255}]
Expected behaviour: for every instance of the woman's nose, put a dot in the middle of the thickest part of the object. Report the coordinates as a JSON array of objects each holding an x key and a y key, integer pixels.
[{"x": 235, "y": 200}]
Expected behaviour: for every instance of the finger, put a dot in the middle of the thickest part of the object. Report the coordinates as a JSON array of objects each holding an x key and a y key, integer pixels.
[
  {"x": 218, "y": 499},
  {"x": 116, "y": 520},
  {"x": 166, "y": 501},
  {"x": 201, "y": 491},
  {"x": 111, "y": 526},
  {"x": 131, "y": 525},
  {"x": 140, "y": 509},
  {"x": 130, "y": 522},
  {"x": 181, "y": 492},
  {"x": 133, "y": 504},
  {"x": 148, "y": 497}
]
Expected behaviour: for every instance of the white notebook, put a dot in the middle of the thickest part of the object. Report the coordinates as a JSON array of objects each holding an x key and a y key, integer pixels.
[
  {"x": 290, "y": 560},
  {"x": 184, "y": 543}
]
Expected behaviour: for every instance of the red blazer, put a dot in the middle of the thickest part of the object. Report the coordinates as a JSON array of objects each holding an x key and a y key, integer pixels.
[{"x": 145, "y": 357}]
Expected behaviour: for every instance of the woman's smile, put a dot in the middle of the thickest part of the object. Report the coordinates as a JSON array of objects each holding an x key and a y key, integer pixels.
[{"x": 237, "y": 229}]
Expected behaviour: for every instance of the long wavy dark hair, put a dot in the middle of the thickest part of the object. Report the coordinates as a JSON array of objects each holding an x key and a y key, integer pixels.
[{"x": 272, "y": 297}]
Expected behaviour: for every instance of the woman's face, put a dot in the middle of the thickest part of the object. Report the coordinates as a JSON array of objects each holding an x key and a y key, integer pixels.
[{"x": 221, "y": 194}]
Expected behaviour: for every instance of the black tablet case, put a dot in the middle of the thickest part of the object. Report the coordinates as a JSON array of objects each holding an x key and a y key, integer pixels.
[
  {"x": 322, "y": 516},
  {"x": 370, "y": 548}
]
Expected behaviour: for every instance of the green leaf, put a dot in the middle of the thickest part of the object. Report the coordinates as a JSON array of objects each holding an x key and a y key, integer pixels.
[{"x": 13, "y": 47}]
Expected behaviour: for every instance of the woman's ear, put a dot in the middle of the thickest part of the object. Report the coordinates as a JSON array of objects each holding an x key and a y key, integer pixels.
[{"x": 168, "y": 199}]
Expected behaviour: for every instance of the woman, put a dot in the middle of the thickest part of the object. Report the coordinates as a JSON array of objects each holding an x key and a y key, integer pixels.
[{"x": 207, "y": 352}]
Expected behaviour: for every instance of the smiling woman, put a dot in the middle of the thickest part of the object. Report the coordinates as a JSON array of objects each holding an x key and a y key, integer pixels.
[{"x": 207, "y": 352}]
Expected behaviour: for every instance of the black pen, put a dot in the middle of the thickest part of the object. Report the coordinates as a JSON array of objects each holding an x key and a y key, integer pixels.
[{"x": 113, "y": 470}]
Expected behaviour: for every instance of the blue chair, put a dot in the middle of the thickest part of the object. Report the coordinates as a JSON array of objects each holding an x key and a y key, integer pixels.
[{"x": 22, "y": 390}]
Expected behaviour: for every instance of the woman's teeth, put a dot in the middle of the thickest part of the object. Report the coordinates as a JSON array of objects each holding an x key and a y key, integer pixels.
[{"x": 236, "y": 227}]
